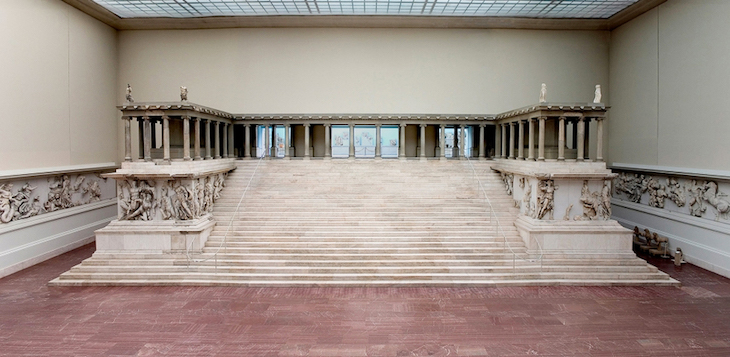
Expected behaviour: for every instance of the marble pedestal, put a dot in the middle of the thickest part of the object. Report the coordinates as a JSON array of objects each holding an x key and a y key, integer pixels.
[{"x": 155, "y": 236}]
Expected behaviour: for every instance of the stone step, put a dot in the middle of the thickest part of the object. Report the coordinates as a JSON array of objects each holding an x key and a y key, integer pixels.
[
  {"x": 449, "y": 269},
  {"x": 243, "y": 277}
]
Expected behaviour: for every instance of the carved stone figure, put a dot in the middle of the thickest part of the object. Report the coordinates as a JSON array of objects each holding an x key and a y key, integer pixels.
[
  {"x": 527, "y": 198},
  {"x": 93, "y": 190},
  {"x": 35, "y": 208},
  {"x": 165, "y": 202},
  {"x": 696, "y": 206},
  {"x": 596, "y": 205},
  {"x": 22, "y": 202},
  {"x": 209, "y": 194},
  {"x": 141, "y": 201},
  {"x": 129, "y": 94},
  {"x": 657, "y": 193},
  {"x": 597, "y": 97},
  {"x": 712, "y": 196},
  {"x": 508, "y": 180},
  {"x": 59, "y": 195},
  {"x": 7, "y": 211},
  {"x": 218, "y": 186},
  {"x": 200, "y": 205},
  {"x": 183, "y": 93},
  {"x": 543, "y": 93},
  {"x": 566, "y": 217},
  {"x": 632, "y": 185},
  {"x": 675, "y": 192},
  {"x": 183, "y": 202},
  {"x": 545, "y": 199}
]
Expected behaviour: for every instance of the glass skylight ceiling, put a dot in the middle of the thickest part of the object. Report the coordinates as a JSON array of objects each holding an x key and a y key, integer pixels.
[{"x": 585, "y": 9}]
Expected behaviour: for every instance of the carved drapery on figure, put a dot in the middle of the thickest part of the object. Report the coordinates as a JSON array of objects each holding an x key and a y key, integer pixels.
[
  {"x": 596, "y": 205},
  {"x": 508, "y": 180},
  {"x": 545, "y": 199}
]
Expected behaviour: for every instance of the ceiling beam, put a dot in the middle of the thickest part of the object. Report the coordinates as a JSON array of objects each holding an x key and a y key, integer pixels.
[{"x": 361, "y": 21}]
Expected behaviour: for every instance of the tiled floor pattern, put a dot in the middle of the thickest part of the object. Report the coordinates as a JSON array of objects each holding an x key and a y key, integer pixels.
[{"x": 35, "y": 320}]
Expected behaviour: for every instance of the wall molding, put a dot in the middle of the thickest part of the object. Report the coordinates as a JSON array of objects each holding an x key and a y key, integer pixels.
[
  {"x": 673, "y": 171},
  {"x": 8, "y": 175},
  {"x": 55, "y": 215},
  {"x": 675, "y": 216}
]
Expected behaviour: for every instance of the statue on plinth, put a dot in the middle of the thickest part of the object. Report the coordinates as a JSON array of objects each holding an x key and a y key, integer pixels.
[
  {"x": 129, "y": 94},
  {"x": 183, "y": 93},
  {"x": 597, "y": 97},
  {"x": 543, "y": 93}
]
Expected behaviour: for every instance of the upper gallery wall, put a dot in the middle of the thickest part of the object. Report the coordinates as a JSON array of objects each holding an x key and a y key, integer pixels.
[
  {"x": 58, "y": 70},
  {"x": 669, "y": 78},
  {"x": 357, "y": 70}
]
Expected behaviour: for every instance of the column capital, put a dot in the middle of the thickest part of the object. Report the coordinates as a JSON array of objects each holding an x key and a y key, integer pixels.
[
  {"x": 402, "y": 125},
  {"x": 482, "y": 125},
  {"x": 580, "y": 118},
  {"x": 145, "y": 117},
  {"x": 126, "y": 117},
  {"x": 443, "y": 126},
  {"x": 542, "y": 118},
  {"x": 188, "y": 117},
  {"x": 378, "y": 125},
  {"x": 306, "y": 125},
  {"x": 599, "y": 118},
  {"x": 462, "y": 126},
  {"x": 326, "y": 125},
  {"x": 422, "y": 125}
]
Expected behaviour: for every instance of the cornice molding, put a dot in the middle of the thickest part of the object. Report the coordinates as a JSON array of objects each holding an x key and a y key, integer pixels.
[{"x": 367, "y": 21}]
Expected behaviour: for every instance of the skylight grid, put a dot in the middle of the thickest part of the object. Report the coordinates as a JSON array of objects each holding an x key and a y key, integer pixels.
[{"x": 587, "y": 9}]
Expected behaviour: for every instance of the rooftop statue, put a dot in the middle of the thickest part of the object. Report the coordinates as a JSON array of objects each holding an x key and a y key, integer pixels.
[
  {"x": 597, "y": 98},
  {"x": 543, "y": 93},
  {"x": 129, "y": 94},
  {"x": 183, "y": 93}
]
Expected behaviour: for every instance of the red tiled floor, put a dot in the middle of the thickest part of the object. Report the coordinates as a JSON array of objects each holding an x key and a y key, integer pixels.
[{"x": 35, "y": 320}]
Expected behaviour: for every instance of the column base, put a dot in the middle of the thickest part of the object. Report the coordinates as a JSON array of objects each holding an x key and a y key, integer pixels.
[
  {"x": 306, "y": 158},
  {"x": 164, "y": 162},
  {"x": 327, "y": 158}
]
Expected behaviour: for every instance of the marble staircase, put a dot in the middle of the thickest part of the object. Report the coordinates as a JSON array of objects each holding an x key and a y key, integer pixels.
[{"x": 361, "y": 222}]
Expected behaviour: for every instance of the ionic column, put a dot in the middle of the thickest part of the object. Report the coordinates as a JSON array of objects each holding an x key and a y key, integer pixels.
[
  {"x": 327, "y": 141},
  {"x": 147, "y": 138},
  {"x": 377, "y": 140},
  {"x": 561, "y": 139},
  {"x": 230, "y": 141},
  {"x": 581, "y": 139},
  {"x": 217, "y": 140},
  {"x": 422, "y": 154},
  {"x": 599, "y": 139},
  {"x": 186, "y": 138},
  {"x": 521, "y": 141},
  {"x": 402, "y": 142},
  {"x": 442, "y": 141},
  {"x": 462, "y": 149},
  {"x": 530, "y": 139},
  {"x": 482, "y": 154},
  {"x": 207, "y": 140},
  {"x": 267, "y": 141},
  {"x": 352, "y": 141},
  {"x": 127, "y": 138},
  {"x": 512, "y": 140},
  {"x": 224, "y": 145},
  {"x": 306, "y": 141},
  {"x": 247, "y": 140},
  {"x": 197, "y": 139},
  {"x": 286, "y": 141},
  {"x": 587, "y": 132},
  {"x": 504, "y": 141},
  {"x": 166, "y": 138},
  {"x": 541, "y": 140}
]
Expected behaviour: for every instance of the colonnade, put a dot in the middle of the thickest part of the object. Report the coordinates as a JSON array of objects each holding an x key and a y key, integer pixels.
[
  {"x": 511, "y": 130},
  {"x": 222, "y": 148},
  {"x": 440, "y": 145}
]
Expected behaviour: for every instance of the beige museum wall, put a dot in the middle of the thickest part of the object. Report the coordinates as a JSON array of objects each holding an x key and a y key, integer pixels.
[
  {"x": 58, "y": 70},
  {"x": 363, "y": 70},
  {"x": 668, "y": 81}
]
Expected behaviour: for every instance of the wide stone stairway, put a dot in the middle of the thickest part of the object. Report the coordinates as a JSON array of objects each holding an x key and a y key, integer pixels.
[{"x": 361, "y": 223}]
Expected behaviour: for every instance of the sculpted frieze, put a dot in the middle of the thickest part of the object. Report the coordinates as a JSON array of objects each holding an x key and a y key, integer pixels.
[
  {"x": 545, "y": 199},
  {"x": 596, "y": 205},
  {"x": 689, "y": 196},
  {"x": 61, "y": 192}
]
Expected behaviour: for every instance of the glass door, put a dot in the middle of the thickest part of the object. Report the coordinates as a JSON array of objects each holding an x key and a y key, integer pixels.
[
  {"x": 364, "y": 141},
  {"x": 340, "y": 141},
  {"x": 389, "y": 141}
]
